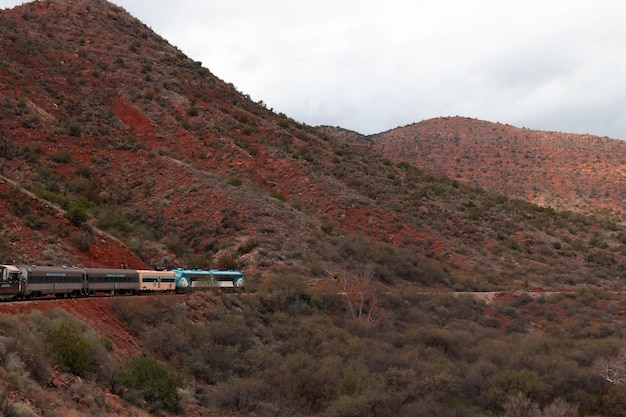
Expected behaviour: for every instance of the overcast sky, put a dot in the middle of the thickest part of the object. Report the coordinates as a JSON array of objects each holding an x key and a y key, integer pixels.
[{"x": 370, "y": 66}]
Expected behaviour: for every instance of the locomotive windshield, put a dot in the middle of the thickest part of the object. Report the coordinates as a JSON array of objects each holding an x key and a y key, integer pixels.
[{"x": 10, "y": 272}]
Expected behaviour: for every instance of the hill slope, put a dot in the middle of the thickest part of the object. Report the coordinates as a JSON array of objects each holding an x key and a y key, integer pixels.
[
  {"x": 138, "y": 155},
  {"x": 581, "y": 173}
]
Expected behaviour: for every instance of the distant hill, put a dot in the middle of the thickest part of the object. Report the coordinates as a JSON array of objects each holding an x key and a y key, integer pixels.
[{"x": 581, "y": 173}]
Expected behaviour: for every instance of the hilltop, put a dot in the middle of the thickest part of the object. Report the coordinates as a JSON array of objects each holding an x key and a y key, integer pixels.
[{"x": 579, "y": 173}]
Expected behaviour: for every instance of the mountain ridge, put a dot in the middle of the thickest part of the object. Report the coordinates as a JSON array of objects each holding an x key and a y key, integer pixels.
[
  {"x": 566, "y": 171},
  {"x": 107, "y": 120}
]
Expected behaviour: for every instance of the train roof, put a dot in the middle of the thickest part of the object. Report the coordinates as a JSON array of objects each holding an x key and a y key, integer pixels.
[
  {"x": 56, "y": 270},
  {"x": 109, "y": 272},
  {"x": 154, "y": 272},
  {"x": 10, "y": 268},
  {"x": 206, "y": 272}
]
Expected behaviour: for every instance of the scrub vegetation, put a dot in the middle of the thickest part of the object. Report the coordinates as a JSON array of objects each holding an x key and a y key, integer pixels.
[{"x": 285, "y": 351}]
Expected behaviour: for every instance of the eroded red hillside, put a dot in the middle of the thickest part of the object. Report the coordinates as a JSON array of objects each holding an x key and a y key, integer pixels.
[
  {"x": 173, "y": 162},
  {"x": 565, "y": 171}
]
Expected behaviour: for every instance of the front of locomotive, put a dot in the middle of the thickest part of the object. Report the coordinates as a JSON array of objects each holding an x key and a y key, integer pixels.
[
  {"x": 182, "y": 281},
  {"x": 12, "y": 285}
]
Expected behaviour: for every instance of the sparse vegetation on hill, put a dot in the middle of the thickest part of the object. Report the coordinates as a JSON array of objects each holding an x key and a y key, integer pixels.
[
  {"x": 581, "y": 173},
  {"x": 287, "y": 351}
]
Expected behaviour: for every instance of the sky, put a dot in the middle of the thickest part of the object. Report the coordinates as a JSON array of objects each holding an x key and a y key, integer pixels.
[{"x": 371, "y": 66}]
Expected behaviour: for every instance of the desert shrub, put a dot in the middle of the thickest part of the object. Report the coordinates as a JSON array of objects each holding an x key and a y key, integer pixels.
[
  {"x": 69, "y": 349},
  {"x": 511, "y": 381},
  {"x": 83, "y": 240},
  {"x": 111, "y": 219},
  {"x": 248, "y": 246},
  {"x": 74, "y": 349},
  {"x": 24, "y": 348},
  {"x": 519, "y": 405},
  {"x": 31, "y": 122},
  {"x": 59, "y": 337},
  {"x": 6, "y": 148},
  {"x": 125, "y": 143},
  {"x": 242, "y": 395},
  {"x": 134, "y": 46},
  {"x": 84, "y": 171},
  {"x": 78, "y": 185},
  {"x": 278, "y": 349},
  {"x": 277, "y": 195},
  {"x": 148, "y": 380},
  {"x": 327, "y": 227},
  {"x": 77, "y": 211},
  {"x": 17, "y": 409},
  {"x": 230, "y": 220},
  {"x": 600, "y": 257},
  {"x": 33, "y": 222},
  {"x": 55, "y": 198},
  {"x": 388, "y": 262},
  {"x": 284, "y": 290},
  {"x": 74, "y": 129},
  {"x": 62, "y": 156},
  {"x": 226, "y": 261},
  {"x": 193, "y": 111}
]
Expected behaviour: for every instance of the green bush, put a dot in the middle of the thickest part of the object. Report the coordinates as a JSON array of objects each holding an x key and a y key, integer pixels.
[
  {"x": 111, "y": 219},
  {"x": 77, "y": 211},
  {"x": 277, "y": 195},
  {"x": 74, "y": 129},
  {"x": 82, "y": 240},
  {"x": 62, "y": 156},
  {"x": 70, "y": 349},
  {"x": 148, "y": 380}
]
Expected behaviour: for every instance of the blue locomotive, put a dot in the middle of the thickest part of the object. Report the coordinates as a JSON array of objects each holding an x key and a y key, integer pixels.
[{"x": 212, "y": 278}]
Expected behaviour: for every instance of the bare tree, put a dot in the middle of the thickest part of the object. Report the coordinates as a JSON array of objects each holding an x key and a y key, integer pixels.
[
  {"x": 519, "y": 405},
  {"x": 613, "y": 371},
  {"x": 560, "y": 408},
  {"x": 359, "y": 289}
]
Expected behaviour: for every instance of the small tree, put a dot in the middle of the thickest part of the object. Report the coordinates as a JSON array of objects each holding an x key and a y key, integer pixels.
[
  {"x": 70, "y": 349},
  {"x": 612, "y": 370},
  {"x": 360, "y": 291}
]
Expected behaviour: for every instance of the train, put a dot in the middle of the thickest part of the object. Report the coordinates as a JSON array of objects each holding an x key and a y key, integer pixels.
[{"x": 18, "y": 282}]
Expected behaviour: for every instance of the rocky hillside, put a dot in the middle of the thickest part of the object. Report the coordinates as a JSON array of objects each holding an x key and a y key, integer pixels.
[
  {"x": 581, "y": 173},
  {"x": 117, "y": 149}
]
